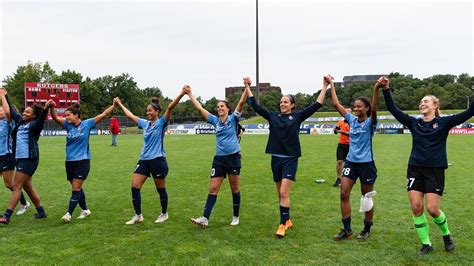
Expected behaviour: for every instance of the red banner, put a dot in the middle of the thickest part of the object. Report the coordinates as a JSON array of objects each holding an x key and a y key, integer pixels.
[{"x": 63, "y": 94}]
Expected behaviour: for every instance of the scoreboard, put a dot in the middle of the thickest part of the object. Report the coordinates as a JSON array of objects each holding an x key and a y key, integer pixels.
[{"x": 63, "y": 94}]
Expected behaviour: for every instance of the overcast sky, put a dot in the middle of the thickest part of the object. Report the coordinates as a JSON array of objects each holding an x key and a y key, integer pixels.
[{"x": 211, "y": 44}]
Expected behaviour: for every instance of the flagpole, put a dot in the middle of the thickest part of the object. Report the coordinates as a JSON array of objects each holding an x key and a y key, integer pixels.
[{"x": 257, "y": 93}]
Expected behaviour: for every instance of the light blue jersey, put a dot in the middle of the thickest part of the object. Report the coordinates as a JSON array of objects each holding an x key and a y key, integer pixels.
[
  {"x": 226, "y": 134},
  {"x": 77, "y": 140},
  {"x": 5, "y": 137},
  {"x": 361, "y": 133},
  {"x": 152, "y": 138},
  {"x": 22, "y": 141}
]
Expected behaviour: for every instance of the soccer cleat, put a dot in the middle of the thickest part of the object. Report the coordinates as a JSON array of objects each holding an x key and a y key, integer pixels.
[
  {"x": 288, "y": 224},
  {"x": 343, "y": 234},
  {"x": 161, "y": 218},
  {"x": 4, "y": 220},
  {"x": 425, "y": 249},
  {"x": 40, "y": 215},
  {"x": 136, "y": 219},
  {"x": 84, "y": 214},
  {"x": 235, "y": 220},
  {"x": 66, "y": 217},
  {"x": 363, "y": 235},
  {"x": 281, "y": 230},
  {"x": 337, "y": 183},
  {"x": 448, "y": 242},
  {"x": 201, "y": 221},
  {"x": 23, "y": 208}
]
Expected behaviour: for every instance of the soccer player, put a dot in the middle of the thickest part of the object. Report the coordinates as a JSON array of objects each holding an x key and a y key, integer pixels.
[
  {"x": 25, "y": 135},
  {"x": 284, "y": 146},
  {"x": 152, "y": 158},
  {"x": 342, "y": 128},
  {"x": 359, "y": 162},
  {"x": 227, "y": 158},
  {"x": 427, "y": 163},
  {"x": 7, "y": 158},
  {"x": 78, "y": 155}
]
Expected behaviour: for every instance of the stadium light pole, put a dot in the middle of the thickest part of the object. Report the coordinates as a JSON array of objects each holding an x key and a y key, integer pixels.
[{"x": 257, "y": 92}]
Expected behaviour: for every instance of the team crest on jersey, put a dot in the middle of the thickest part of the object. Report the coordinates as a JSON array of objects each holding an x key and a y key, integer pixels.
[
  {"x": 435, "y": 125},
  {"x": 290, "y": 117}
]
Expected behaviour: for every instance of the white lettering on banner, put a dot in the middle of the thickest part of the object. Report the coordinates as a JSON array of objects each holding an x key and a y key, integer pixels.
[
  {"x": 51, "y": 85},
  {"x": 462, "y": 131}
]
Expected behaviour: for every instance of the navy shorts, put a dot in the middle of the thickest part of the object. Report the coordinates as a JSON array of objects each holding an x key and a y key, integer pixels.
[
  {"x": 78, "y": 169},
  {"x": 27, "y": 165},
  {"x": 367, "y": 172},
  {"x": 226, "y": 165},
  {"x": 284, "y": 168},
  {"x": 342, "y": 151},
  {"x": 425, "y": 179},
  {"x": 7, "y": 162},
  {"x": 157, "y": 168}
]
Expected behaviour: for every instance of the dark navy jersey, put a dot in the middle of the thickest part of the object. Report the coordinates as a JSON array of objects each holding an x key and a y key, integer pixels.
[
  {"x": 284, "y": 128},
  {"x": 428, "y": 138}
]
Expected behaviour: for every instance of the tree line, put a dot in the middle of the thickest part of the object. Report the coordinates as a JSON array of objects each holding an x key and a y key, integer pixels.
[{"x": 98, "y": 93}]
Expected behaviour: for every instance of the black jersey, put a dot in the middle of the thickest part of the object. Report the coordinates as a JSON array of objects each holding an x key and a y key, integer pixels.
[
  {"x": 284, "y": 128},
  {"x": 429, "y": 138}
]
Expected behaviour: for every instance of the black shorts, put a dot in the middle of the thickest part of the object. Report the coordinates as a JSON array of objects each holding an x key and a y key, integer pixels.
[
  {"x": 78, "y": 169},
  {"x": 27, "y": 165},
  {"x": 7, "y": 162},
  {"x": 342, "y": 151},
  {"x": 157, "y": 168},
  {"x": 425, "y": 179},
  {"x": 366, "y": 172},
  {"x": 226, "y": 165},
  {"x": 284, "y": 168}
]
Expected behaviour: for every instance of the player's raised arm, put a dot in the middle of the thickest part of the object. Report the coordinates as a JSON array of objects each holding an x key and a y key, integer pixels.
[
  {"x": 127, "y": 112},
  {"x": 243, "y": 98},
  {"x": 53, "y": 113},
  {"x": 196, "y": 103},
  {"x": 105, "y": 113},
  {"x": 6, "y": 106},
  {"x": 335, "y": 100},
  {"x": 173, "y": 104}
]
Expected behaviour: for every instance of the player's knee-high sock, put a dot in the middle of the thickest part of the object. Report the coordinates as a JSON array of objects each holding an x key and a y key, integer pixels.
[
  {"x": 211, "y": 200},
  {"x": 236, "y": 203},
  {"x": 163, "y": 199},
  {"x": 442, "y": 223},
  {"x": 284, "y": 214},
  {"x": 73, "y": 201},
  {"x": 347, "y": 224},
  {"x": 422, "y": 229},
  {"x": 137, "y": 201},
  {"x": 367, "y": 225},
  {"x": 82, "y": 200}
]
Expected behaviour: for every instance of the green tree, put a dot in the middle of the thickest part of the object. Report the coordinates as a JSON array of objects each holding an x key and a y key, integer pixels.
[
  {"x": 31, "y": 72},
  {"x": 69, "y": 77},
  {"x": 90, "y": 98},
  {"x": 211, "y": 105},
  {"x": 465, "y": 80},
  {"x": 270, "y": 100}
]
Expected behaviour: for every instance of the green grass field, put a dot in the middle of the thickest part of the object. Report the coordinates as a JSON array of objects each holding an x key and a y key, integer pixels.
[{"x": 103, "y": 238}]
